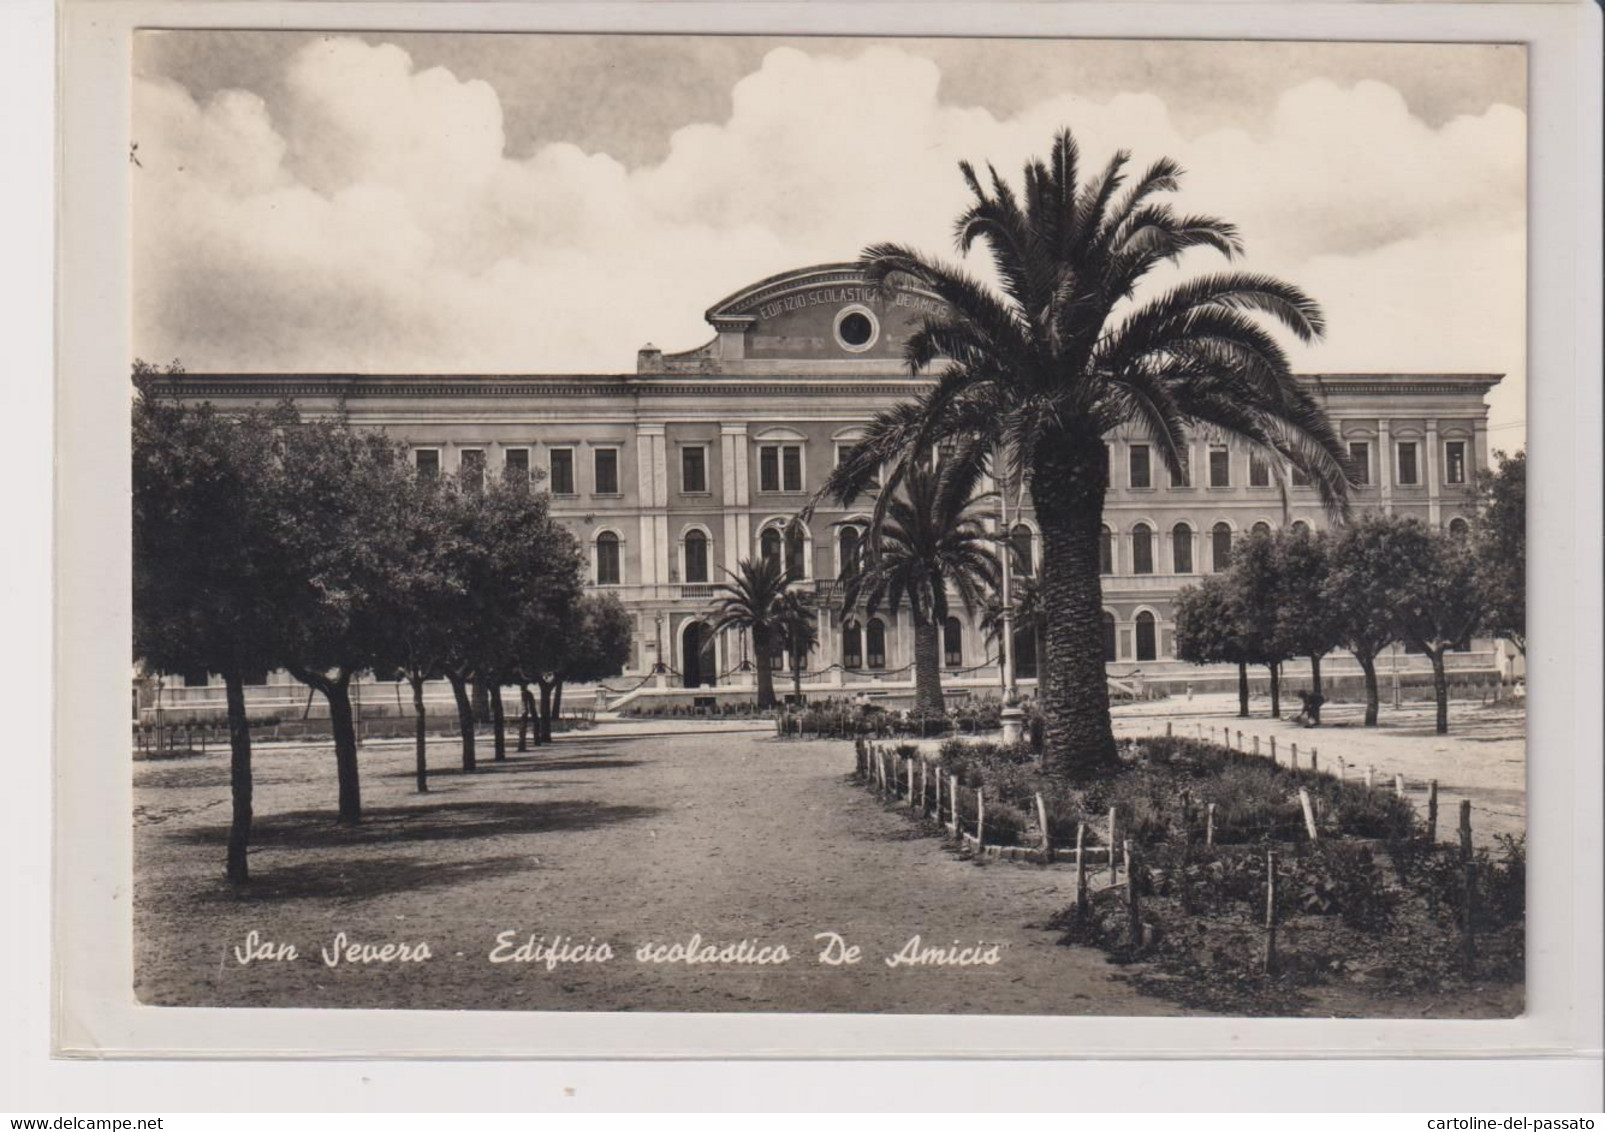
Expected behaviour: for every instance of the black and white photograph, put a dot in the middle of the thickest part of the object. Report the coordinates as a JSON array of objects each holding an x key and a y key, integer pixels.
[{"x": 736, "y": 524}]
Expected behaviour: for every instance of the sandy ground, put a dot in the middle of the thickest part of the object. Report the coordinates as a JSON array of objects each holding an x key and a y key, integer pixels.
[
  {"x": 1483, "y": 758},
  {"x": 630, "y": 835}
]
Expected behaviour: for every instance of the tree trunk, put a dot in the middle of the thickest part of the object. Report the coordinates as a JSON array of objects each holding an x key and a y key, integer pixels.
[
  {"x": 927, "y": 669},
  {"x": 465, "y": 717},
  {"x": 1373, "y": 696},
  {"x": 1315, "y": 690},
  {"x": 1242, "y": 691},
  {"x": 239, "y": 773},
  {"x": 337, "y": 691},
  {"x": 1276, "y": 690},
  {"x": 532, "y": 714},
  {"x": 1072, "y": 685},
  {"x": 1440, "y": 688},
  {"x": 498, "y": 722},
  {"x": 546, "y": 711},
  {"x": 420, "y": 756},
  {"x": 557, "y": 705},
  {"x": 766, "y": 674},
  {"x": 481, "y": 695}
]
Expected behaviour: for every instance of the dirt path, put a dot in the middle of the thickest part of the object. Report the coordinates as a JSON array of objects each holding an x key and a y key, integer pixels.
[{"x": 628, "y": 836}]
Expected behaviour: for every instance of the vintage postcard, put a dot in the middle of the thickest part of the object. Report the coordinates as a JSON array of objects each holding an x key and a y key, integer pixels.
[{"x": 687, "y": 524}]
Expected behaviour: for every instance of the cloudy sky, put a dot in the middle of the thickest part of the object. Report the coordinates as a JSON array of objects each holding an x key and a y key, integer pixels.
[{"x": 514, "y": 203}]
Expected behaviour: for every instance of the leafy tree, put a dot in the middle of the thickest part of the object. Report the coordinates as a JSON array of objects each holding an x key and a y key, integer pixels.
[
  {"x": 1437, "y": 599},
  {"x": 1365, "y": 560},
  {"x": 1256, "y": 577},
  {"x": 207, "y": 577},
  {"x": 1501, "y": 534},
  {"x": 597, "y": 646},
  {"x": 1211, "y": 629},
  {"x": 1306, "y": 621},
  {"x": 334, "y": 497},
  {"x": 753, "y": 600},
  {"x": 1064, "y": 353},
  {"x": 926, "y": 539}
]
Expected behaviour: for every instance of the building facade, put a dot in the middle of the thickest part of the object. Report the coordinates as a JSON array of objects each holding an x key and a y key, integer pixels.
[{"x": 671, "y": 474}]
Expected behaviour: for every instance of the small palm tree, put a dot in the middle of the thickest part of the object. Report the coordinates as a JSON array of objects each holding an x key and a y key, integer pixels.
[
  {"x": 925, "y": 540},
  {"x": 755, "y": 600},
  {"x": 799, "y": 628},
  {"x": 1037, "y": 371}
]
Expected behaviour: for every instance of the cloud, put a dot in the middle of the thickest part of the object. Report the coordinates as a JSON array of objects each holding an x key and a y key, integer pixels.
[{"x": 373, "y": 219}]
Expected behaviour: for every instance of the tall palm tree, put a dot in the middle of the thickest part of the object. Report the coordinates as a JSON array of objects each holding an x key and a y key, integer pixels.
[
  {"x": 754, "y": 600},
  {"x": 925, "y": 539},
  {"x": 1038, "y": 370}
]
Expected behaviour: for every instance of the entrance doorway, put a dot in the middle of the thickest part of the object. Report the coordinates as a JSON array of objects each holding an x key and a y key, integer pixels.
[{"x": 698, "y": 664}]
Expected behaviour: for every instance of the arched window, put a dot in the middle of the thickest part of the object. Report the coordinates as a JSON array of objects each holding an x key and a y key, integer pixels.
[
  {"x": 607, "y": 559},
  {"x": 852, "y": 645},
  {"x": 794, "y": 554},
  {"x": 1459, "y": 528},
  {"x": 696, "y": 556},
  {"x": 1106, "y": 551},
  {"x": 1262, "y": 528},
  {"x": 1142, "y": 549},
  {"x": 769, "y": 545},
  {"x": 952, "y": 643},
  {"x": 1222, "y": 546},
  {"x": 876, "y": 641},
  {"x": 1300, "y": 527},
  {"x": 1108, "y": 637},
  {"x": 1145, "y": 636},
  {"x": 1025, "y": 654},
  {"x": 849, "y": 541},
  {"x": 1024, "y": 561},
  {"x": 1181, "y": 539}
]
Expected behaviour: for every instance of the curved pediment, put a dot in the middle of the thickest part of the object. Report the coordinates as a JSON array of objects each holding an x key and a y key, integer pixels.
[{"x": 820, "y": 317}]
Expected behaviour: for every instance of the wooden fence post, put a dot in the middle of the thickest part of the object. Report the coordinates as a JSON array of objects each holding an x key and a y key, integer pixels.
[
  {"x": 1398, "y": 785},
  {"x": 1256, "y": 744},
  {"x": 1343, "y": 768},
  {"x": 1239, "y": 740},
  {"x": 1309, "y": 814},
  {"x": 1081, "y": 868},
  {"x": 1294, "y": 762},
  {"x": 1113, "y": 874},
  {"x": 1273, "y": 748},
  {"x": 1209, "y": 825},
  {"x": 1432, "y": 811},
  {"x": 913, "y": 798},
  {"x": 1468, "y": 939},
  {"x": 1047, "y": 840},
  {"x": 1315, "y": 760},
  {"x": 980, "y": 818},
  {"x": 1167, "y": 729},
  {"x": 1370, "y": 777},
  {"x": 953, "y": 788},
  {"x": 1133, "y": 901},
  {"x": 1270, "y": 911}
]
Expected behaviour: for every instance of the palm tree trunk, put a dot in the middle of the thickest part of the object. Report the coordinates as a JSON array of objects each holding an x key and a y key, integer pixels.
[
  {"x": 928, "y": 669},
  {"x": 1368, "y": 665},
  {"x": 1073, "y": 687},
  {"x": 239, "y": 773},
  {"x": 766, "y": 674}
]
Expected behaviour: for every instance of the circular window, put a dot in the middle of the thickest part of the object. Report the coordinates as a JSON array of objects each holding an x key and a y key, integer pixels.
[{"x": 856, "y": 328}]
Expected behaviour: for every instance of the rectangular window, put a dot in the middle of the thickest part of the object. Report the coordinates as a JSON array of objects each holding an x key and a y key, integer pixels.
[
  {"x": 1407, "y": 464},
  {"x": 780, "y": 467},
  {"x": 1360, "y": 458},
  {"x": 1140, "y": 471},
  {"x": 1185, "y": 478},
  {"x": 515, "y": 466},
  {"x": 607, "y": 471},
  {"x": 471, "y": 468},
  {"x": 562, "y": 470},
  {"x": 1454, "y": 464},
  {"x": 427, "y": 461},
  {"x": 1259, "y": 472},
  {"x": 1220, "y": 466},
  {"x": 694, "y": 470}
]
